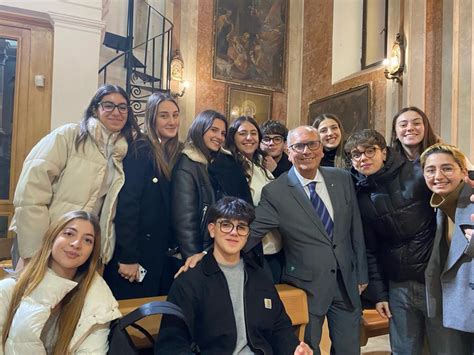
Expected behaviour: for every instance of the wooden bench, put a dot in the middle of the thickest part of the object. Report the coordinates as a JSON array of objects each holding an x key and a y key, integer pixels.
[
  {"x": 293, "y": 299},
  {"x": 372, "y": 325},
  {"x": 5, "y": 261}
]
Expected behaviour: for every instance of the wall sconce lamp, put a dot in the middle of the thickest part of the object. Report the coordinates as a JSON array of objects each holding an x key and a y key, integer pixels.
[
  {"x": 395, "y": 64},
  {"x": 177, "y": 85}
]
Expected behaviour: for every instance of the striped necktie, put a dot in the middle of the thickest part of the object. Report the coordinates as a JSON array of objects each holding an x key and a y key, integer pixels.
[{"x": 321, "y": 209}]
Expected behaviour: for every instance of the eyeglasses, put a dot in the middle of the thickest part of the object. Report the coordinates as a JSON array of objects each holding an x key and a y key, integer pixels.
[
  {"x": 447, "y": 170},
  {"x": 369, "y": 152},
  {"x": 108, "y": 106},
  {"x": 276, "y": 140},
  {"x": 243, "y": 230},
  {"x": 300, "y": 147}
]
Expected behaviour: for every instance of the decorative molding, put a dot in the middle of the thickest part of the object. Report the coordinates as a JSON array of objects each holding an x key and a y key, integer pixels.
[
  {"x": 27, "y": 18},
  {"x": 76, "y": 23},
  {"x": 83, "y": 3}
]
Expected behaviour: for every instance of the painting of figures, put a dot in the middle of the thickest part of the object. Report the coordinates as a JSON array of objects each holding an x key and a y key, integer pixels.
[
  {"x": 249, "y": 42},
  {"x": 353, "y": 107}
]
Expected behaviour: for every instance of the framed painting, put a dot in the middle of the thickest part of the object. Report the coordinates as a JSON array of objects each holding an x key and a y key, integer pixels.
[
  {"x": 254, "y": 103},
  {"x": 352, "y": 106},
  {"x": 249, "y": 42}
]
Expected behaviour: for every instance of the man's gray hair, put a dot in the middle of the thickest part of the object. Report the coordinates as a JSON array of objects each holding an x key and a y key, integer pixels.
[{"x": 292, "y": 132}]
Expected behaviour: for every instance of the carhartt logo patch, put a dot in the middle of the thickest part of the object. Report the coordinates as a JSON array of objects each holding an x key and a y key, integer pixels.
[{"x": 268, "y": 303}]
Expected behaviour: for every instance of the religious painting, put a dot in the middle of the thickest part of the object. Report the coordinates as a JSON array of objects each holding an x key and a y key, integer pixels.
[
  {"x": 352, "y": 106},
  {"x": 249, "y": 42},
  {"x": 254, "y": 103}
]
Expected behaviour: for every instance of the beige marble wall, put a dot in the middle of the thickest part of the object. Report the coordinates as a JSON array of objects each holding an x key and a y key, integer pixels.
[
  {"x": 457, "y": 85},
  {"x": 317, "y": 52}
]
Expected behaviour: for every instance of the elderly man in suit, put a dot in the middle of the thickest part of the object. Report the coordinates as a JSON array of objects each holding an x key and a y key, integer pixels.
[{"x": 316, "y": 211}]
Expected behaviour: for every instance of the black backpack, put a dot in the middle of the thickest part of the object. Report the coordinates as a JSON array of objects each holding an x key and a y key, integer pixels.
[{"x": 120, "y": 342}]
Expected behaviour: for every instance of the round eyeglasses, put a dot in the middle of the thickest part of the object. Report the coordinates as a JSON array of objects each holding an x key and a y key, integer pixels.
[
  {"x": 447, "y": 170},
  {"x": 369, "y": 152},
  {"x": 243, "y": 230},
  {"x": 108, "y": 106},
  {"x": 276, "y": 140},
  {"x": 300, "y": 147}
]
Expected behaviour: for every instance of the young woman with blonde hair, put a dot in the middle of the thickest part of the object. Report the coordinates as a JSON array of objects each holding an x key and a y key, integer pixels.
[
  {"x": 59, "y": 304},
  {"x": 142, "y": 222},
  {"x": 450, "y": 271}
]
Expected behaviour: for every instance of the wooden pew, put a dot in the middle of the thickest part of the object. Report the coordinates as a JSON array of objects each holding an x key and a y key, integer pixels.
[
  {"x": 372, "y": 325},
  {"x": 5, "y": 261},
  {"x": 293, "y": 299}
]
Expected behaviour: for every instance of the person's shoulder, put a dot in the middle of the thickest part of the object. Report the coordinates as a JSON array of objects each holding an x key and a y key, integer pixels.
[
  {"x": 100, "y": 301},
  {"x": 192, "y": 276},
  {"x": 335, "y": 173},
  {"x": 7, "y": 285},
  {"x": 140, "y": 149}
]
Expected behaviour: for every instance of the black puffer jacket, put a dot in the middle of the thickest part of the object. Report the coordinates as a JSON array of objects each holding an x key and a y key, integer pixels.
[
  {"x": 399, "y": 224},
  {"x": 191, "y": 196}
]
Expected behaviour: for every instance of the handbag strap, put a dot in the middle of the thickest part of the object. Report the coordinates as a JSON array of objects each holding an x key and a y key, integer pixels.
[{"x": 147, "y": 309}]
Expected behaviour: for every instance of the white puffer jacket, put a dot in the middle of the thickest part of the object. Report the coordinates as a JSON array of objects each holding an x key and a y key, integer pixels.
[
  {"x": 56, "y": 178},
  {"x": 90, "y": 337}
]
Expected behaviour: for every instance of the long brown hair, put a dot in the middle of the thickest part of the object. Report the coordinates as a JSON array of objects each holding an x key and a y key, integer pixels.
[
  {"x": 340, "y": 160},
  {"x": 166, "y": 154},
  {"x": 429, "y": 138},
  {"x": 258, "y": 155},
  {"x": 201, "y": 124},
  {"x": 129, "y": 131},
  {"x": 34, "y": 272}
]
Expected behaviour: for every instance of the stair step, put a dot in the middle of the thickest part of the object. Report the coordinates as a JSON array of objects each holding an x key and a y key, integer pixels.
[
  {"x": 136, "y": 63},
  {"x": 148, "y": 88},
  {"x": 117, "y": 42},
  {"x": 146, "y": 77}
]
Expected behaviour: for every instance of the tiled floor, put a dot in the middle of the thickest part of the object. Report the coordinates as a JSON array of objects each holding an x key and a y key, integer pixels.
[{"x": 377, "y": 346}]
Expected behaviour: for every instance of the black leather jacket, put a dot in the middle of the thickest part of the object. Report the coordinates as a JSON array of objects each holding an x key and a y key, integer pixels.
[
  {"x": 399, "y": 223},
  {"x": 196, "y": 186},
  {"x": 191, "y": 196}
]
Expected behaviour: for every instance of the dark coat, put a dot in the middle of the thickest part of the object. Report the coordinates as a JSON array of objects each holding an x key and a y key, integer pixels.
[
  {"x": 142, "y": 226},
  {"x": 228, "y": 178},
  {"x": 191, "y": 196},
  {"x": 195, "y": 187},
  {"x": 203, "y": 295},
  {"x": 399, "y": 223},
  {"x": 283, "y": 166}
]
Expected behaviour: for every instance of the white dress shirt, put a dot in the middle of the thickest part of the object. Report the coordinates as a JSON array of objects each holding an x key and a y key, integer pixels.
[{"x": 321, "y": 189}]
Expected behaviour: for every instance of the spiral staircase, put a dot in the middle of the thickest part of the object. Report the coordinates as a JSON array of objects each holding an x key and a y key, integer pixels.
[{"x": 142, "y": 57}]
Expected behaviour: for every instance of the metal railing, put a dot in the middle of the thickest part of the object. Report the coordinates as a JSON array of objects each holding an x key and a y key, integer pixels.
[{"x": 147, "y": 64}]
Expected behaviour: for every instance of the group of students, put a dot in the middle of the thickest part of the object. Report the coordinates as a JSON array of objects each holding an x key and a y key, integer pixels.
[{"x": 156, "y": 198}]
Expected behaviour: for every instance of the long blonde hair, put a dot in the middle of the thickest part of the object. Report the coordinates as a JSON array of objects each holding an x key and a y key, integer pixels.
[
  {"x": 166, "y": 154},
  {"x": 34, "y": 272}
]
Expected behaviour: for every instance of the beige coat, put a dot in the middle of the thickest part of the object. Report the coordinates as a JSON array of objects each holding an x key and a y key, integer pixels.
[
  {"x": 56, "y": 178},
  {"x": 90, "y": 336}
]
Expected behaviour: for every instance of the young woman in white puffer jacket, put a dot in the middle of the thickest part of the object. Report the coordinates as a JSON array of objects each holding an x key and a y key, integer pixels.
[{"x": 59, "y": 304}]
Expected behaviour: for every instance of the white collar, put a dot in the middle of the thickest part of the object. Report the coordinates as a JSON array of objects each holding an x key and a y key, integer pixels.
[{"x": 304, "y": 181}]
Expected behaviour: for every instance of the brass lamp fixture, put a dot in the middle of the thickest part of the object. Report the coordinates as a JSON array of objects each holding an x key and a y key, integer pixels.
[
  {"x": 178, "y": 85},
  {"x": 395, "y": 64}
]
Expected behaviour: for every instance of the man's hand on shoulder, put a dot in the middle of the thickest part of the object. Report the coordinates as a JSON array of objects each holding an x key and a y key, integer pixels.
[
  {"x": 190, "y": 262},
  {"x": 303, "y": 349}
]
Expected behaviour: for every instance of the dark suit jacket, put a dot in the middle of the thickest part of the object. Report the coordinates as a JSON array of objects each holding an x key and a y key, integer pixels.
[{"x": 312, "y": 258}]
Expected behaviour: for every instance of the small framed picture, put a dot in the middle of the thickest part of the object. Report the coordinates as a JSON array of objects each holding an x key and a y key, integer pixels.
[{"x": 245, "y": 102}]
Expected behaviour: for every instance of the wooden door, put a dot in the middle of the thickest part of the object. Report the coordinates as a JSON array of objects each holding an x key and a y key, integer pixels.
[{"x": 25, "y": 107}]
